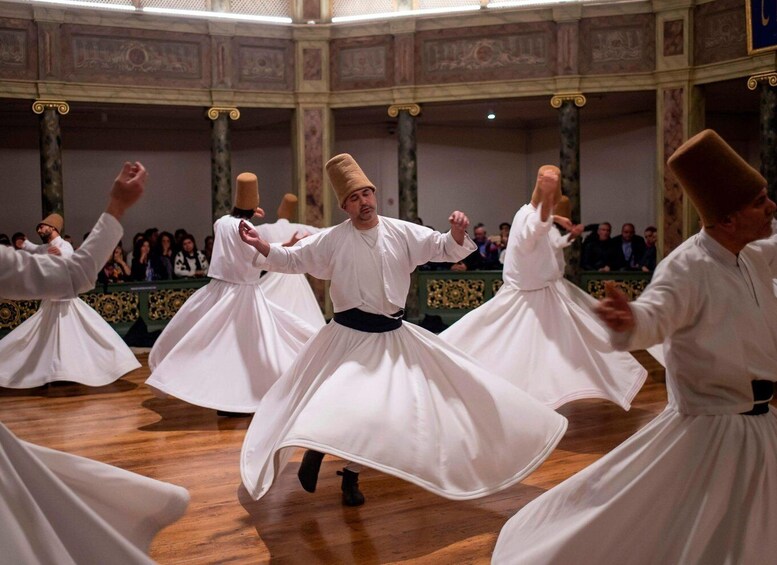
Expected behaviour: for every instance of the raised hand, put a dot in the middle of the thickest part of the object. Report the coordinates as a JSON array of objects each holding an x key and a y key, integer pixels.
[
  {"x": 459, "y": 224},
  {"x": 548, "y": 181},
  {"x": 250, "y": 236},
  {"x": 614, "y": 309},
  {"x": 53, "y": 250},
  {"x": 298, "y": 235},
  {"x": 127, "y": 188}
]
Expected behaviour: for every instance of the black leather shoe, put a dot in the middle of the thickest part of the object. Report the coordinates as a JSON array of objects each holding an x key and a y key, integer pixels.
[
  {"x": 352, "y": 496},
  {"x": 308, "y": 470}
]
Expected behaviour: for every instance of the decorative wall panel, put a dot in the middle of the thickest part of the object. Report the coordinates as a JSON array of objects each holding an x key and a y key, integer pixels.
[
  {"x": 673, "y": 195},
  {"x": 18, "y": 52},
  {"x": 264, "y": 64},
  {"x": 312, "y": 64},
  {"x": 618, "y": 44},
  {"x": 720, "y": 32},
  {"x": 673, "y": 38},
  {"x": 486, "y": 53},
  {"x": 358, "y": 63},
  {"x": 130, "y": 56}
]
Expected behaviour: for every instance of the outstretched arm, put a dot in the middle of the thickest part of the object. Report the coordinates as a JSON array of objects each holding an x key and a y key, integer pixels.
[
  {"x": 250, "y": 236},
  {"x": 614, "y": 309}
]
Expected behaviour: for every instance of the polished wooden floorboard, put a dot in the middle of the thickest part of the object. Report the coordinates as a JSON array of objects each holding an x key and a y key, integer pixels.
[{"x": 124, "y": 425}]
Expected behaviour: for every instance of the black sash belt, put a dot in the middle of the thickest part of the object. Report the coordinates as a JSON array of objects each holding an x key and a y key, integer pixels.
[
  {"x": 365, "y": 322},
  {"x": 763, "y": 391}
]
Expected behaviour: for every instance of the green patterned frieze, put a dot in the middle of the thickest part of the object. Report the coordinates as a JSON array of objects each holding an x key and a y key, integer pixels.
[
  {"x": 452, "y": 294},
  {"x": 163, "y": 304},
  {"x": 114, "y": 307},
  {"x": 14, "y": 312}
]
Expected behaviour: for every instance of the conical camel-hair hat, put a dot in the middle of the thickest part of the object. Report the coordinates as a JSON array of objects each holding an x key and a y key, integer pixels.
[
  {"x": 717, "y": 180},
  {"x": 247, "y": 197},
  {"x": 346, "y": 176},
  {"x": 288, "y": 208},
  {"x": 536, "y": 196},
  {"x": 55, "y": 221}
]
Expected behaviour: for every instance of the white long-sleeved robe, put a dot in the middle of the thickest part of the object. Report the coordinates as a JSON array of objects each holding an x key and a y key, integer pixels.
[
  {"x": 539, "y": 331},
  {"x": 227, "y": 344},
  {"x": 403, "y": 401},
  {"x": 60, "y": 508},
  {"x": 698, "y": 484},
  {"x": 65, "y": 340},
  {"x": 290, "y": 291}
]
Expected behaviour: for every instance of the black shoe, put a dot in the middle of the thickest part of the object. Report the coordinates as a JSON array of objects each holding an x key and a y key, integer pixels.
[
  {"x": 352, "y": 496},
  {"x": 308, "y": 470}
]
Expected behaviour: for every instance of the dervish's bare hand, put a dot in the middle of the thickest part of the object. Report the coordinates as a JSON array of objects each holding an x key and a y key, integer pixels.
[
  {"x": 127, "y": 188},
  {"x": 459, "y": 224},
  {"x": 249, "y": 234},
  {"x": 614, "y": 309},
  {"x": 53, "y": 250},
  {"x": 576, "y": 230},
  {"x": 565, "y": 223},
  {"x": 298, "y": 235}
]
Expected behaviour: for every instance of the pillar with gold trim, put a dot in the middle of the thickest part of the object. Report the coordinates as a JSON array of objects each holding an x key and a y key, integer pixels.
[
  {"x": 52, "y": 189},
  {"x": 221, "y": 160},
  {"x": 406, "y": 157},
  {"x": 766, "y": 83},
  {"x": 568, "y": 105}
]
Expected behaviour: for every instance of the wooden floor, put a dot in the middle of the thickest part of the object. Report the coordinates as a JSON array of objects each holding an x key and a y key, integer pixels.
[{"x": 123, "y": 424}]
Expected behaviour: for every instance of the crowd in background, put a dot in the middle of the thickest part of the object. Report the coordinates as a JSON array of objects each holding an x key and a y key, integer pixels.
[
  {"x": 625, "y": 252},
  {"x": 154, "y": 256}
]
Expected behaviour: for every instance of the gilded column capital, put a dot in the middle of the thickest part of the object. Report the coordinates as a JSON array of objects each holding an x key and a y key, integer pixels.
[
  {"x": 213, "y": 113},
  {"x": 576, "y": 97},
  {"x": 40, "y": 106},
  {"x": 395, "y": 109},
  {"x": 770, "y": 77}
]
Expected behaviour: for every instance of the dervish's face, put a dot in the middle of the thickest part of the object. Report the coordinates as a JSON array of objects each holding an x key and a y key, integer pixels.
[
  {"x": 754, "y": 221},
  {"x": 45, "y": 232},
  {"x": 361, "y": 206}
]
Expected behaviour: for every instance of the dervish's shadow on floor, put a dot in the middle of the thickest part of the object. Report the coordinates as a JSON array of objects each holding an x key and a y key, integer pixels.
[
  {"x": 176, "y": 415},
  {"x": 59, "y": 389},
  {"x": 328, "y": 532}
]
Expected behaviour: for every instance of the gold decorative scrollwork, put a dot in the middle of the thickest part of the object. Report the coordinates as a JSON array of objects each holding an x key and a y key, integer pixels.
[
  {"x": 496, "y": 285},
  {"x": 413, "y": 109},
  {"x": 770, "y": 77},
  {"x": 114, "y": 307},
  {"x": 576, "y": 97},
  {"x": 14, "y": 312},
  {"x": 213, "y": 113},
  {"x": 163, "y": 304},
  {"x": 451, "y": 294},
  {"x": 632, "y": 288},
  {"x": 40, "y": 106}
]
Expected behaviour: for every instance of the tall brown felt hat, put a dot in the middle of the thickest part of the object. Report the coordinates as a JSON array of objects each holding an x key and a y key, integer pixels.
[
  {"x": 247, "y": 197},
  {"x": 717, "y": 180},
  {"x": 55, "y": 221},
  {"x": 563, "y": 208},
  {"x": 536, "y": 196},
  {"x": 346, "y": 176},
  {"x": 288, "y": 208}
]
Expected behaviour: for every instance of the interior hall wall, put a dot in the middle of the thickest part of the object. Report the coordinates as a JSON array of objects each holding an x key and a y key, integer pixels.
[{"x": 178, "y": 193}]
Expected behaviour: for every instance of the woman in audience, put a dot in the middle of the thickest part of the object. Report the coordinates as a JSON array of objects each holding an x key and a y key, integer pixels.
[{"x": 190, "y": 262}]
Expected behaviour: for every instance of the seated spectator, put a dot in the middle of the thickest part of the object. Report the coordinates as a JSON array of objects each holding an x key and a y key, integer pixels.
[
  {"x": 164, "y": 255},
  {"x": 189, "y": 262},
  {"x": 116, "y": 269},
  {"x": 152, "y": 235},
  {"x": 598, "y": 250},
  {"x": 627, "y": 249},
  {"x": 208, "y": 249},
  {"x": 131, "y": 253},
  {"x": 648, "y": 262},
  {"x": 5, "y": 240},
  {"x": 485, "y": 257},
  {"x": 179, "y": 235},
  {"x": 18, "y": 239},
  {"x": 504, "y": 237},
  {"x": 141, "y": 269}
]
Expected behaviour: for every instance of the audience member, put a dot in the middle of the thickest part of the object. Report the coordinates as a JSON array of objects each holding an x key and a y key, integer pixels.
[
  {"x": 141, "y": 260},
  {"x": 179, "y": 235},
  {"x": 131, "y": 253},
  {"x": 116, "y": 269},
  {"x": 152, "y": 235},
  {"x": 165, "y": 255},
  {"x": 627, "y": 249},
  {"x": 190, "y": 262},
  {"x": 649, "y": 257},
  {"x": 598, "y": 250},
  {"x": 5, "y": 240},
  {"x": 485, "y": 257},
  {"x": 208, "y": 248}
]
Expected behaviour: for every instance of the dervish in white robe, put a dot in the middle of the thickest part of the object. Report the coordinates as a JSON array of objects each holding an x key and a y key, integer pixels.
[
  {"x": 290, "y": 291},
  {"x": 65, "y": 340},
  {"x": 698, "y": 484},
  {"x": 227, "y": 344},
  {"x": 539, "y": 332},
  {"x": 60, "y": 508},
  {"x": 401, "y": 401}
]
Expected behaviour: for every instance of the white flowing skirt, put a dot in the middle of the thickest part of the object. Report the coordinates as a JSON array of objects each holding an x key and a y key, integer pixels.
[
  {"x": 684, "y": 489},
  {"x": 225, "y": 348},
  {"x": 65, "y": 340},
  {"x": 60, "y": 508},
  {"x": 404, "y": 403},
  {"x": 548, "y": 343},
  {"x": 293, "y": 293}
]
